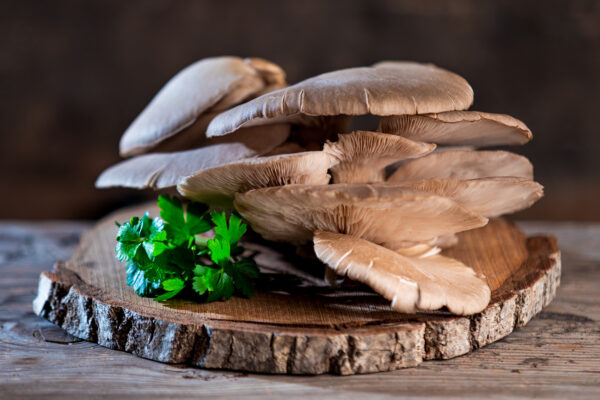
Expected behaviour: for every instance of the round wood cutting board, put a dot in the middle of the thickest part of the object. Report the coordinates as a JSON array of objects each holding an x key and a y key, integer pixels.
[{"x": 311, "y": 329}]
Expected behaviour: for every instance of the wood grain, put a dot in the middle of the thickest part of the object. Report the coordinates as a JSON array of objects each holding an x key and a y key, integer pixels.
[
  {"x": 314, "y": 330},
  {"x": 555, "y": 356}
]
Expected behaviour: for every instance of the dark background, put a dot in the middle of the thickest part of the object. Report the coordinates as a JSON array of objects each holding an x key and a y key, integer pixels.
[{"x": 74, "y": 74}]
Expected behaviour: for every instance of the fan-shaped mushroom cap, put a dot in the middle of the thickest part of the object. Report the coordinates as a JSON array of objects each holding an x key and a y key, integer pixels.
[
  {"x": 195, "y": 135},
  {"x": 161, "y": 170},
  {"x": 464, "y": 164},
  {"x": 392, "y": 216},
  {"x": 401, "y": 88},
  {"x": 490, "y": 197},
  {"x": 213, "y": 82},
  {"x": 269, "y": 71},
  {"x": 411, "y": 283},
  {"x": 362, "y": 156},
  {"x": 470, "y": 128},
  {"x": 218, "y": 186}
]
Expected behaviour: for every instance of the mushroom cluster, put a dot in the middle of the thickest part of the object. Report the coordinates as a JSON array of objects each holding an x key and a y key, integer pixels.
[{"x": 378, "y": 206}]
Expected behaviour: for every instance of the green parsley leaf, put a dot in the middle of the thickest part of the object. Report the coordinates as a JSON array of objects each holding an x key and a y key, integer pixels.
[
  {"x": 172, "y": 287},
  {"x": 141, "y": 285},
  {"x": 165, "y": 256},
  {"x": 220, "y": 251},
  {"x": 180, "y": 230},
  {"x": 231, "y": 233}
]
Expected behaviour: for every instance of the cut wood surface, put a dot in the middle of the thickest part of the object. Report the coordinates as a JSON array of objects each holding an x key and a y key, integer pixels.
[
  {"x": 313, "y": 329},
  {"x": 555, "y": 356}
]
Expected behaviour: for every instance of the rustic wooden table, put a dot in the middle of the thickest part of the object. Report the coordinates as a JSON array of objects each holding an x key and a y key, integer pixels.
[{"x": 557, "y": 355}]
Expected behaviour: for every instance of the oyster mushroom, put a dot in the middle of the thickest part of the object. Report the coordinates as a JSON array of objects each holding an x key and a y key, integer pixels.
[
  {"x": 489, "y": 197},
  {"x": 161, "y": 170},
  {"x": 459, "y": 128},
  {"x": 217, "y": 186},
  {"x": 411, "y": 283},
  {"x": 401, "y": 88},
  {"x": 463, "y": 164},
  {"x": 271, "y": 73},
  {"x": 362, "y": 156},
  {"x": 394, "y": 217},
  {"x": 211, "y": 84}
]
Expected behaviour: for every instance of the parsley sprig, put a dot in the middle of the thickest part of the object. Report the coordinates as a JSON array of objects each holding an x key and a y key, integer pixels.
[{"x": 165, "y": 256}]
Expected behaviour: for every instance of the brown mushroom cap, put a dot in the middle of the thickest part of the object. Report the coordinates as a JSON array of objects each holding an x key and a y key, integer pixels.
[
  {"x": 411, "y": 283},
  {"x": 489, "y": 197},
  {"x": 219, "y": 81},
  {"x": 463, "y": 164},
  {"x": 218, "y": 186},
  {"x": 462, "y": 128},
  {"x": 362, "y": 156},
  {"x": 392, "y": 216},
  {"x": 269, "y": 71},
  {"x": 161, "y": 170},
  {"x": 401, "y": 88}
]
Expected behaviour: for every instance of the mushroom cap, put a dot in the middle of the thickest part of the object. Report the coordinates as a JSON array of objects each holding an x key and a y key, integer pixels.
[
  {"x": 462, "y": 128},
  {"x": 195, "y": 135},
  {"x": 217, "y": 186},
  {"x": 191, "y": 92},
  {"x": 463, "y": 164},
  {"x": 489, "y": 197},
  {"x": 392, "y": 216},
  {"x": 411, "y": 283},
  {"x": 401, "y": 88},
  {"x": 161, "y": 170},
  {"x": 362, "y": 156},
  {"x": 269, "y": 71}
]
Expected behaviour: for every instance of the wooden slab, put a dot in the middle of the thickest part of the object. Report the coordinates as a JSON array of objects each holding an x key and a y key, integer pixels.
[{"x": 313, "y": 329}]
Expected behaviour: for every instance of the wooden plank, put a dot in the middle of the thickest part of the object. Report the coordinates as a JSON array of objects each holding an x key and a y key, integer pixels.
[
  {"x": 555, "y": 356},
  {"x": 314, "y": 330}
]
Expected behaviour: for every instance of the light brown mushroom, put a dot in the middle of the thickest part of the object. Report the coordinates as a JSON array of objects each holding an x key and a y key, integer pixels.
[
  {"x": 490, "y": 197},
  {"x": 362, "y": 156},
  {"x": 394, "y": 217},
  {"x": 463, "y": 164},
  {"x": 194, "y": 135},
  {"x": 161, "y": 170},
  {"x": 402, "y": 88},
  {"x": 211, "y": 84},
  {"x": 271, "y": 73},
  {"x": 460, "y": 128},
  {"x": 410, "y": 283},
  {"x": 218, "y": 186}
]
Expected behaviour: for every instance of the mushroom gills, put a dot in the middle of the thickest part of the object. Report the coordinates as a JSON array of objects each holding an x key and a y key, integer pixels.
[
  {"x": 459, "y": 128},
  {"x": 410, "y": 283},
  {"x": 218, "y": 186},
  {"x": 461, "y": 164},
  {"x": 489, "y": 197},
  {"x": 362, "y": 155},
  {"x": 392, "y": 216}
]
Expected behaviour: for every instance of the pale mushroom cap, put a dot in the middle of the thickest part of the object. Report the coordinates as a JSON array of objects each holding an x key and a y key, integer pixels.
[
  {"x": 470, "y": 128},
  {"x": 161, "y": 170},
  {"x": 489, "y": 197},
  {"x": 392, "y": 216},
  {"x": 195, "y": 135},
  {"x": 362, "y": 156},
  {"x": 411, "y": 283},
  {"x": 218, "y": 186},
  {"x": 401, "y": 88},
  {"x": 190, "y": 93},
  {"x": 463, "y": 164},
  {"x": 268, "y": 70}
]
